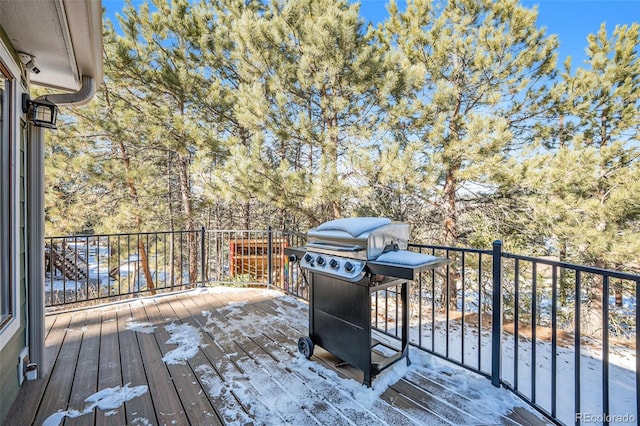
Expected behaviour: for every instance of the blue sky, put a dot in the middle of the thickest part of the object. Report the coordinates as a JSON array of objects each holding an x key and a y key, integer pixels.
[{"x": 571, "y": 20}]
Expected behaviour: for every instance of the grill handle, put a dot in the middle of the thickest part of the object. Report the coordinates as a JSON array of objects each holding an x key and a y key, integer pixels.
[
  {"x": 390, "y": 247},
  {"x": 325, "y": 246}
]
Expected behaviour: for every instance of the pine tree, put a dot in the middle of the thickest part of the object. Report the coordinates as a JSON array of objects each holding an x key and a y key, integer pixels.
[
  {"x": 229, "y": 205},
  {"x": 593, "y": 202},
  {"x": 474, "y": 73},
  {"x": 587, "y": 193},
  {"x": 156, "y": 60},
  {"x": 583, "y": 192},
  {"x": 307, "y": 97},
  {"x": 93, "y": 159},
  {"x": 473, "y": 82}
]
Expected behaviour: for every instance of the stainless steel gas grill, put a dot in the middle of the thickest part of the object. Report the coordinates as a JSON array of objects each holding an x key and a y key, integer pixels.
[{"x": 348, "y": 260}]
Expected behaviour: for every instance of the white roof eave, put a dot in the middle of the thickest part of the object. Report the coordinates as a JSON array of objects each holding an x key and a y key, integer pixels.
[{"x": 64, "y": 36}]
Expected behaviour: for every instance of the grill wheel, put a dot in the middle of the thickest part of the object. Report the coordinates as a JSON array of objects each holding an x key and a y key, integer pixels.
[{"x": 305, "y": 346}]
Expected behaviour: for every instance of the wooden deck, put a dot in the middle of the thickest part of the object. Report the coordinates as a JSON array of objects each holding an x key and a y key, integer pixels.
[{"x": 239, "y": 365}]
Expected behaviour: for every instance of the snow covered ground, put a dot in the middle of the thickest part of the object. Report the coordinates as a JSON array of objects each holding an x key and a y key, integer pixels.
[
  {"x": 622, "y": 370},
  {"x": 130, "y": 278},
  {"x": 105, "y": 400},
  {"x": 477, "y": 355}
]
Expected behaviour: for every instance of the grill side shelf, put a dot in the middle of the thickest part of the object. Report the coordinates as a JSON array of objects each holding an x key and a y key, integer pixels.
[
  {"x": 405, "y": 271},
  {"x": 297, "y": 251}
]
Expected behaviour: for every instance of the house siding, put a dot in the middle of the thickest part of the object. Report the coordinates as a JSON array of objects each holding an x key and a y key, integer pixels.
[{"x": 9, "y": 372}]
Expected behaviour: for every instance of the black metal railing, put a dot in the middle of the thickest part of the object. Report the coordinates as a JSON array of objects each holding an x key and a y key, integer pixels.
[
  {"x": 583, "y": 326},
  {"x": 90, "y": 268},
  {"x": 84, "y": 268},
  {"x": 562, "y": 337}
]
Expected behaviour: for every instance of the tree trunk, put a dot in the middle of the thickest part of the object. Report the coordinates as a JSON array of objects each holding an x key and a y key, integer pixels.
[
  {"x": 451, "y": 235},
  {"x": 330, "y": 151},
  {"x": 145, "y": 266},
  {"x": 594, "y": 313},
  {"x": 618, "y": 292},
  {"x": 337, "y": 209},
  {"x": 449, "y": 194},
  {"x": 565, "y": 284},
  {"x": 133, "y": 193},
  {"x": 247, "y": 215},
  {"x": 172, "y": 271},
  {"x": 187, "y": 209}
]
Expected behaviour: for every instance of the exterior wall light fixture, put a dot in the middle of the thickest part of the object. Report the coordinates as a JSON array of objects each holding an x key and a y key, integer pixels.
[{"x": 42, "y": 112}]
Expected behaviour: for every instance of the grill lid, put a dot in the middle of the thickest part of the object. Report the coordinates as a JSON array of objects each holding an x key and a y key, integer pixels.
[
  {"x": 354, "y": 226},
  {"x": 363, "y": 238},
  {"x": 352, "y": 247}
]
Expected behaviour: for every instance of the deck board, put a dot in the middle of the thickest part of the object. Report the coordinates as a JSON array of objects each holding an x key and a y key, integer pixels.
[
  {"x": 414, "y": 412},
  {"x": 434, "y": 405},
  {"x": 216, "y": 370},
  {"x": 181, "y": 376},
  {"x": 246, "y": 370},
  {"x": 229, "y": 384},
  {"x": 58, "y": 390},
  {"x": 289, "y": 387},
  {"x": 195, "y": 402},
  {"x": 463, "y": 403},
  {"x": 133, "y": 368},
  {"x": 86, "y": 383},
  {"x": 165, "y": 398},
  {"x": 109, "y": 367},
  {"x": 55, "y": 337},
  {"x": 290, "y": 383}
]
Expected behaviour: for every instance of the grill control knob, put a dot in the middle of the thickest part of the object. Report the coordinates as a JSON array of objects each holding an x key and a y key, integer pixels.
[
  {"x": 308, "y": 258},
  {"x": 333, "y": 263},
  {"x": 348, "y": 266},
  {"x": 320, "y": 260}
]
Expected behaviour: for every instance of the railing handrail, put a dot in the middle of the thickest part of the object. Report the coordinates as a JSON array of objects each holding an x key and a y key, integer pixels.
[
  {"x": 124, "y": 234},
  {"x": 121, "y": 234},
  {"x": 540, "y": 260},
  {"x": 583, "y": 268},
  {"x": 445, "y": 248}
]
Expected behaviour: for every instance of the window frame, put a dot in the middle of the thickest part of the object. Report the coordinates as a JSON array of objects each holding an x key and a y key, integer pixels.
[
  {"x": 11, "y": 68},
  {"x": 7, "y": 291}
]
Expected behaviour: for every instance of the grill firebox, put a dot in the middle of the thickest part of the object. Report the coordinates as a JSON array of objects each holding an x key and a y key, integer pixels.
[{"x": 348, "y": 260}]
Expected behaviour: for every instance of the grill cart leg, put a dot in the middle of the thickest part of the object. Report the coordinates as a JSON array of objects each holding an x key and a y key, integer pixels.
[
  {"x": 367, "y": 377},
  {"x": 404, "y": 296}
]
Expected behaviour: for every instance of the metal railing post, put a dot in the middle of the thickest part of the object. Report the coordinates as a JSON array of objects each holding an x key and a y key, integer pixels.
[
  {"x": 269, "y": 257},
  {"x": 202, "y": 255},
  {"x": 496, "y": 321}
]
